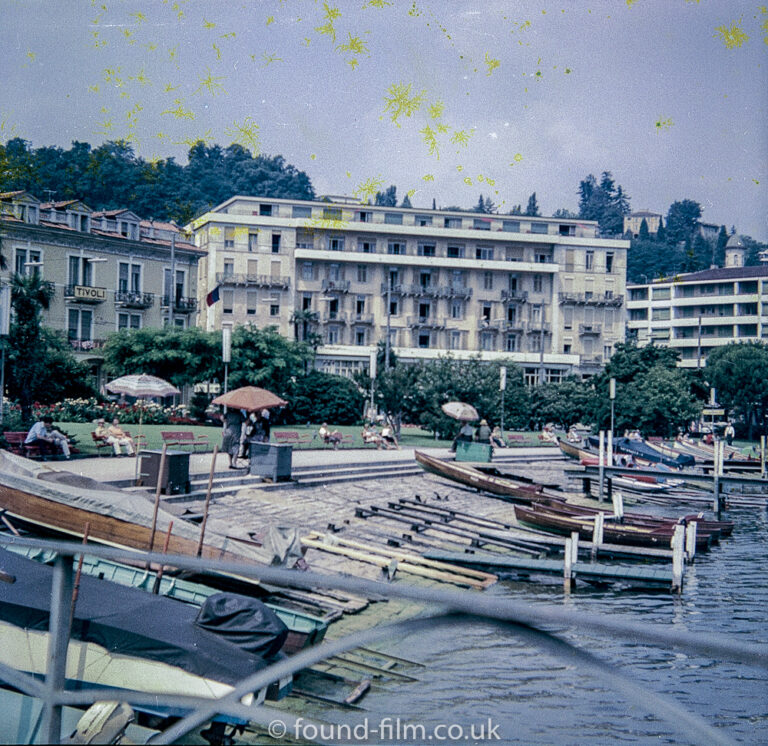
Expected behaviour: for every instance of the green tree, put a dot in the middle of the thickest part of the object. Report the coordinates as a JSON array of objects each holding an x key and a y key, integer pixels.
[
  {"x": 564, "y": 403},
  {"x": 722, "y": 240},
  {"x": 643, "y": 234},
  {"x": 322, "y": 397},
  {"x": 682, "y": 220},
  {"x": 532, "y": 208},
  {"x": 406, "y": 202},
  {"x": 604, "y": 202},
  {"x": 563, "y": 212},
  {"x": 739, "y": 372},
  {"x": 387, "y": 198},
  {"x": 485, "y": 205}
]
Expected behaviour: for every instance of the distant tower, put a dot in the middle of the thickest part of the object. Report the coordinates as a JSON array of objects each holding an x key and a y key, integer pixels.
[{"x": 735, "y": 250}]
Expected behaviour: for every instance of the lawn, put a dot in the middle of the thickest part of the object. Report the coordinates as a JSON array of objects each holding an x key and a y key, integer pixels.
[{"x": 410, "y": 437}]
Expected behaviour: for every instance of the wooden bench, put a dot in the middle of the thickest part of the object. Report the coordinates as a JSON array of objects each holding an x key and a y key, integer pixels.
[
  {"x": 16, "y": 444},
  {"x": 513, "y": 438},
  {"x": 100, "y": 443},
  {"x": 182, "y": 438},
  {"x": 291, "y": 437}
]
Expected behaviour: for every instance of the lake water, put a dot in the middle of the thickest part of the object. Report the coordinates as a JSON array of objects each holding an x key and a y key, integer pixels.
[{"x": 478, "y": 672}]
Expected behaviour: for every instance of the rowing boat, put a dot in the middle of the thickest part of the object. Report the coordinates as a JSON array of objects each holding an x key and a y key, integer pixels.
[{"x": 471, "y": 477}]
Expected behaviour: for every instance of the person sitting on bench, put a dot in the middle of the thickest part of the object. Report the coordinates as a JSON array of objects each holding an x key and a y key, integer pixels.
[{"x": 42, "y": 435}]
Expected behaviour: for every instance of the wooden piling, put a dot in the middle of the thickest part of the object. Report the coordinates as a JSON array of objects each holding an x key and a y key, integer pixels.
[
  {"x": 678, "y": 549},
  {"x": 597, "y": 533},
  {"x": 568, "y": 566},
  {"x": 716, "y": 507},
  {"x": 762, "y": 457},
  {"x": 601, "y": 466},
  {"x": 618, "y": 505},
  {"x": 690, "y": 540}
]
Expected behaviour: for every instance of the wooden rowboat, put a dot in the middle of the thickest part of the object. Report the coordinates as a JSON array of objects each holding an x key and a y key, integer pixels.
[
  {"x": 614, "y": 534},
  {"x": 471, "y": 477}
]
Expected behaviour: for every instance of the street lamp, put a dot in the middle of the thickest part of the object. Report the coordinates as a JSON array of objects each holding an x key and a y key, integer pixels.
[{"x": 612, "y": 396}]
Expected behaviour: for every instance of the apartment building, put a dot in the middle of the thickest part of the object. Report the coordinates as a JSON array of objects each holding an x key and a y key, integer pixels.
[
  {"x": 698, "y": 311},
  {"x": 110, "y": 270},
  {"x": 546, "y": 292}
]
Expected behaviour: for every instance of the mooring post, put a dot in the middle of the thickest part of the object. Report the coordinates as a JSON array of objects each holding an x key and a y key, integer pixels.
[
  {"x": 567, "y": 565},
  {"x": 762, "y": 457},
  {"x": 601, "y": 465},
  {"x": 574, "y": 547},
  {"x": 716, "y": 482},
  {"x": 609, "y": 449},
  {"x": 678, "y": 548},
  {"x": 586, "y": 485},
  {"x": 58, "y": 643},
  {"x": 618, "y": 505},
  {"x": 609, "y": 488},
  {"x": 690, "y": 540},
  {"x": 597, "y": 533}
]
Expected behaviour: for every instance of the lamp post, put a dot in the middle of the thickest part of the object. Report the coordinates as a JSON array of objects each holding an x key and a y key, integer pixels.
[
  {"x": 226, "y": 353},
  {"x": 5, "y": 327},
  {"x": 389, "y": 321},
  {"x": 612, "y": 396},
  {"x": 502, "y": 387}
]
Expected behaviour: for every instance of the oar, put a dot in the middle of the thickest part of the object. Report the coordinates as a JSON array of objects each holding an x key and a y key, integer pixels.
[
  {"x": 207, "y": 500},
  {"x": 76, "y": 589},
  {"x": 159, "y": 576},
  {"x": 158, "y": 489}
]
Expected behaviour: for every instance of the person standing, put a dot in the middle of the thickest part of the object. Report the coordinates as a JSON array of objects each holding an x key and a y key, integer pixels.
[
  {"x": 43, "y": 436},
  {"x": 483, "y": 432},
  {"x": 230, "y": 435},
  {"x": 730, "y": 434}
]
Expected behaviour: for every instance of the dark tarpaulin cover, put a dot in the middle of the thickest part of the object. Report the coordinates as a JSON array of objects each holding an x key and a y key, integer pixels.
[
  {"x": 640, "y": 449},
  {"x": 126, "y": 621},
  {"x": 245, "y": 622}
]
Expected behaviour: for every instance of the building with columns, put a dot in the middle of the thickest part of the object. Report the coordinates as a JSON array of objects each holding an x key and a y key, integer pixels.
[{"x": 545, "y": 292}]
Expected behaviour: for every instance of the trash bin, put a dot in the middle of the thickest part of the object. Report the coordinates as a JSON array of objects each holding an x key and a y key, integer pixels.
[
  {"x": 271, "y": 461},
  {"x": 176, "y": 472},
  {"x": 466, "y": 451}
]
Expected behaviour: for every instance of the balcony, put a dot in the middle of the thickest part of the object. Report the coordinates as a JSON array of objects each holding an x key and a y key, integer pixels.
[
  {"x": 595, "y": 299},
  {"x": 265, "y": 281},
  {"x": 514, "y": 296},
  {"x": 426, "y": 322},
  {"x": 538, "y": 328},
  {"x": 86, "y": 345},
  {"x": 594, "y": 330},
  {"x": 418, "y": 290},
  {"x": 395, "y": 289},
  {"x": 491, "y": 325},
  {"x": 455, "y": 291},
  {"x": 335, "y": 286},
  {"x": 334, "y": 317},
  {"x": 181, "y": 305},
  {"x": 134, "y": 299},
  {"x": 85, "y": 294},
  {"x": 594, "y": 361},
  {"x": 361, "y": 318}
]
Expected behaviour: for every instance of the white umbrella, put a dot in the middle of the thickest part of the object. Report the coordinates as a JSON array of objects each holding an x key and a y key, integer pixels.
[{"x": 460, "y": 410}]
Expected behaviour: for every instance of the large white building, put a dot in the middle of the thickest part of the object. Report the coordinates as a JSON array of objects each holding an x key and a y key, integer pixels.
[
  {"x": 698, "y": 311},
  {"x": 546, "y": 292}
]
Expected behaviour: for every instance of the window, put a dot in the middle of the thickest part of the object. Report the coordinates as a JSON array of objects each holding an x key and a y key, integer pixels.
[
  {"x": 531, "y": 376},
  {"x": 301, "y": 211},
  {"x": 554, "y": 375},
  {"x": 511, "y": 315},
  {"x": 424, "y": 310},
  {"x": 361, "y": 337},
  {"x": 336, "y": 243},
  {"x": 484, "y": 252},
  {"x": 512, "y": 283},
  {"x": 607, "y": 352},
  {"x": 455, "y": 340},
  {"x": 173, "y": 290},
  {"x": 79, "y": 325},
  {"x": 251, "y": 302},
  {"x": 332, "y": 336},
  {"x": 265, "y": 210},
  {"x": 364, "y": 216},
  {"x": 609, "y": 261},
  {"x": 426, "y": 249},
  {"x": 569, "y": 260},
  {"x": 486, "y": 341},
  {"x": 128, "y": 278},
  {"x": 513, "y": 226},
  {"x": 395, "y": 247},
  {"x": 457, "y": 309},
  {"x": 609, "y": 294},
  {"x": 660, "y": 314},
  {"x": 334, "y": 272},
  {"x": 589, "y": 261},
  {"x": 227, "y": 301},
  {"x": 275, "y": 243},
  {"x": 423, "y": 220},
  {"x": 661, "y": 293},
  {"x": 510, "y": 343},
  {"x": 481, "y": 224},
  {"x": 229, "y": 237},
  {"x": 455, "y": 252},
  {"x": 485, "y": 312},
  {"x": 536, "y": 315},
  {"x": 538, "y": 283},
  {"x": 253, "y": 241},
  {"x": 539, "y": 228},
  {"x": 274, "y": 304},
  {"x": 458, "y": 279},
  {"x": 394, "y": 276},
  {"x": 307, "y": 271},
  {"x": 366, "y": 246},
  {"x": 128, "y": 321},
  {"x": 229, "y": 267},
  {"x": 25, "y": 257},
  {"x": 424, "y": 340},
  {"x": 487, "y": 280},
  {"x": 306, "y": 302},
  {"x": 541, "y": 258},
  {"x": 80, "y": 271},
  {"x": 360, "y": 305},
  {"x": 362, "y": 273},
  {"x": 534, "y": 343},
  {"x": 567, "y": 348},
  {"x": 567, "y": 317},
  {"x": 567, "y": 230},
  {"x": 393, "y": 218},
  {"x": 452, "y": 222},
  {"x": 425, "y": 278},
  {"x": 333, "y": 308},
  {"x": 394, "y": 307}
]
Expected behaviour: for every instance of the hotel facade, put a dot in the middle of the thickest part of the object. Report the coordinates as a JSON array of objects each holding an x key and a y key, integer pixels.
[{"x": 546, "y": 292}]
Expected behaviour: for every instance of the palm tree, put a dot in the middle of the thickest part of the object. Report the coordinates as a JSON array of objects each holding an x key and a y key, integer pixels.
[
  {"x": 30, "y": 296},
  {"x": 301, "y": 319}
]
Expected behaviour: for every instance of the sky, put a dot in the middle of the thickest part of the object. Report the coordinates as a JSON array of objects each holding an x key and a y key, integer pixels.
[{"x": 446, "y": 99}]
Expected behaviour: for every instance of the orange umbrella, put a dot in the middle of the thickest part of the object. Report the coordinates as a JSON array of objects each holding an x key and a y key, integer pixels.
[{"x": 250, "y": 398}]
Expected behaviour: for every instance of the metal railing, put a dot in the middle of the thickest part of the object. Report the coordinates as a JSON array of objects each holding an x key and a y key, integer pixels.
[
  {"x": 134, "y": 299},
  {"x": 586, "y": 329},
  {"x": 521, "y": 619},
  {"x": 267, "y": 281},
  {"x": 426, "y": 322},
  {"x": 336, "y": 286},
  {"x": 181, "y": 305},
  {"x": 590, "y": 299},
  {"x": 514, "y": 296},
  {"x": 85, "y": 345}
]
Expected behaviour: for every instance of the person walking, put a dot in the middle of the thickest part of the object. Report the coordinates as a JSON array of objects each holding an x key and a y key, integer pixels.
[
  {"x": 230, "y": 435},
  {"x": 730, "y": 434},
  {"x": 49, "y": 441}
]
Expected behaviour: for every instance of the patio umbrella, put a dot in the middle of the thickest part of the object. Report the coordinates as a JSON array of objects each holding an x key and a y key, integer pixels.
[
  {"x": 461, "y": 411},
  {"x": 250, "y": 398}
]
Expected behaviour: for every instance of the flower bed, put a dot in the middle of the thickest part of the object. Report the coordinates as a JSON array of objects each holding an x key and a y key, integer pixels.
[{"x": 88, "y": 410}]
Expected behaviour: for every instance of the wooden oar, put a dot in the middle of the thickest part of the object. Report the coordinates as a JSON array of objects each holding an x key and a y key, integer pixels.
[
  {"x": 158, "y": 490},
  {"x": 76, "y": 589},
  {"x": 207, "y": 499},
  {"x": 159, "y": 576}
]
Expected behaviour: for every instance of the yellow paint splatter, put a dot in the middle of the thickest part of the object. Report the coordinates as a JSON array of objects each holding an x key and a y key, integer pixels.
[
  {"x": 31, "y": 56},
  {"x": 428, "y": 177},
  {"x": 210, "y": 83},
  {"x": 732, "y": 37},
  {"x": 400, "y": 101},
  {"x": 376, "y": 4},
  {"x": 461, "y": 137},
  {"x": 355, "y": 45},
  {"x": 270, "y": 20},
  {"x": 140, "y": 17},
  {"x": 245, "y": 133},
  {"x": 217, "y": 50},
  {"x": 179, "y": 112},
  {"x": 468, "y": 180},
  {"x": 491, "y": 63},
  {"x": 436, "y": 110},
  {"x": 410, "y": 193},
  {"x": 756, "y": 181},
  {"x": 630, "y": 3},
  {"x": 353, "y": 63},
  {"x": 208, "y": 24},
  {"x": 663, "y": 124},
  {"x": 368, "y": 188},
  {"x": 270, "y": 58},
  {"x": 516, "y": 158},
  {"x": 430, "y": 139},
  {"x": 170, "y": 88}
]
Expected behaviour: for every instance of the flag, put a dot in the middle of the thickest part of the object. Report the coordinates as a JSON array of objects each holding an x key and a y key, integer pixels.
[{"x": 213, "y": 297}]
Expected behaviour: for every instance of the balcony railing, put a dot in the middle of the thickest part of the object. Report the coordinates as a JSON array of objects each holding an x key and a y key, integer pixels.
[
  {"x": 430, "y": 291},
  {"x": 593, "y": 329},
  {"x": 455, "y": 291},
  {"x": 492, "y": 325},
  {"x": 538, "y": 328},
  {"x": 85, "y": 345},
  {"x": 361, "y": 318},
  {"x": 267, "y": 281},
  {"x": 594, "y": 299},
  {"x": 514, "y": 296},
  {"x": 334, "y": 317},
  {"x": 335, "y": 286},
  {"x": 182, "y": 305},
  {"x": 134, "y": 299},
  {"x": 592, "y": 361},
  {"x": 395, "y": 289},
  {"x": 85, "y": 293},
  {"x": 426, "y": 322}
]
